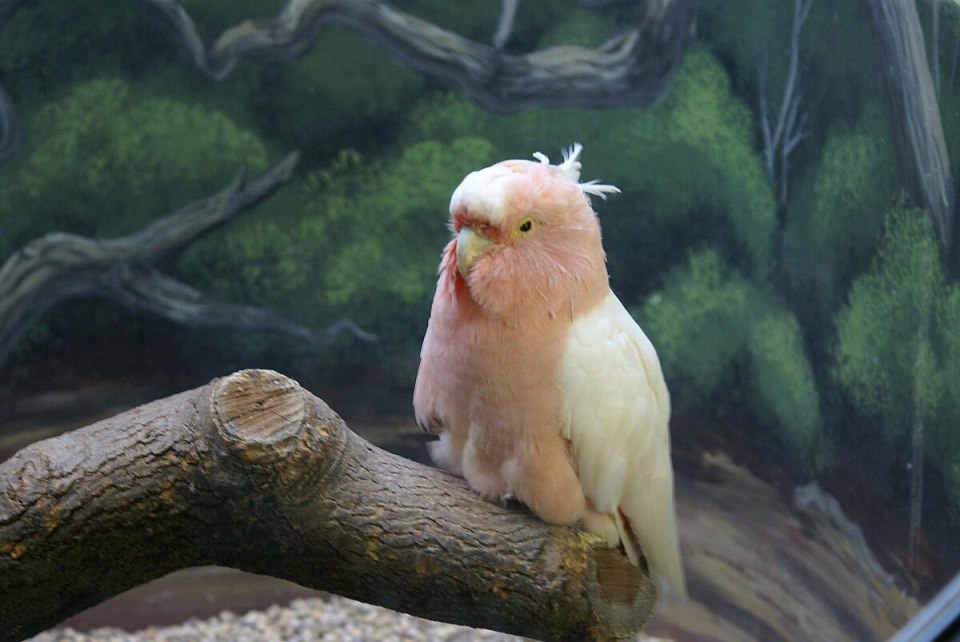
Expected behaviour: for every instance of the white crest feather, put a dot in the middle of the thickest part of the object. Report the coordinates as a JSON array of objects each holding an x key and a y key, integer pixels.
[{"x": 571, "y": 167}]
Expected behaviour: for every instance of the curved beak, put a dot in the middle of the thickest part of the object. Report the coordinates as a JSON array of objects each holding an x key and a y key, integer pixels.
[{"x": 470, "y": 245}]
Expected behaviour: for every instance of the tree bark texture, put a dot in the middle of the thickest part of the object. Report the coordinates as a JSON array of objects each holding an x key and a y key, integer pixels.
[
  {"x": 255, "y": 473},
  {"x": 631, "y": 68},
  {"x": 915, "y": 115},
  {"x": 61, "y": 266}
]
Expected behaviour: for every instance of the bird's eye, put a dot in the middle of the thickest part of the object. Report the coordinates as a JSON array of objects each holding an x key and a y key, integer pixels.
[{"x": 525, "y": 226}]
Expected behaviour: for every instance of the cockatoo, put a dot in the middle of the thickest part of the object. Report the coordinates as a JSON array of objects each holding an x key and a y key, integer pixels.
[{"x": 539, "y": 383}]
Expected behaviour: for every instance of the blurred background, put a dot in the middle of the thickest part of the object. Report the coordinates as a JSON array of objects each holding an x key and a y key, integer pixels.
[{"x": 772, "y": 239}]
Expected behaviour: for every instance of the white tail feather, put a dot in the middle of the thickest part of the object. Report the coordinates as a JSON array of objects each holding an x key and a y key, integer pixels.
[{"x": 651, "y": 526}]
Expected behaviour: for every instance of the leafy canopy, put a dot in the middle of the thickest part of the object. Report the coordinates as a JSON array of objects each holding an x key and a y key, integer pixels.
[
  {"x": 358, "y": 239},
  {"x": 721, "y": 337},
  {"x": 105, "y": 160}
]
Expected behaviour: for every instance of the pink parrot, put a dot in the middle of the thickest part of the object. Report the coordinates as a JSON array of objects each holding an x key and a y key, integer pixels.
[{"x": 540, "y": 384}]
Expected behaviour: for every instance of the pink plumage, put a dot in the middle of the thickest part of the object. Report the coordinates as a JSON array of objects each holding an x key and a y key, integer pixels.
[{"x": 539, "y": 383}]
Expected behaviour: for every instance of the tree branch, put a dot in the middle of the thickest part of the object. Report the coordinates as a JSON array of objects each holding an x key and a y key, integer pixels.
[
  {"x": 508, "y": 12},
  {"x": 633, "y": 67},
  {"x": 255, "y": 473},
  {"x": 788, "y": 131},
  {"x": 61, "y": 266}
]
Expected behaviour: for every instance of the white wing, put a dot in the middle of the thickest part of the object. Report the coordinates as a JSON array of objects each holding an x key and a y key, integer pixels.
[{"x": 616, "y": 417}]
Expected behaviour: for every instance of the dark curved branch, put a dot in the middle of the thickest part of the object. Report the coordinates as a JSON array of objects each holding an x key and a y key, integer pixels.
[
  {"x": 143, "y": 287},
  {"x": 253, "y": 472},
  {"x": 61, "y": 266},
  {"x": 176, "y": 230},
  {"x": 346, "y": 326},
  {"x": 633, "y": 67}
]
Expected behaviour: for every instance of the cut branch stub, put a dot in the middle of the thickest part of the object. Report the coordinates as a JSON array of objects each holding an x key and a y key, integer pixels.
[
  {"x": 255, "y": 473},
  {"x": 251, "y": 408}
]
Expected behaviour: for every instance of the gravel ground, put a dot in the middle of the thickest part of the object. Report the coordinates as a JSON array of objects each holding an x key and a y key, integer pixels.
[
  {"x": 333, "y": 619},
  {"x": 308, "y": 620}
]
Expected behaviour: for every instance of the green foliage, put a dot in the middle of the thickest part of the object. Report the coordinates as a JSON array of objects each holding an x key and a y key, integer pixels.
[
  {"x": 884, "y": 356},
  {"x": 898, "y": 343},
  {"x": 709, "y": 323},
  {"x": 699, "y": 323},
  {"x": 104, "y": 160},
  {"x": 213, "y": 16},
  {"x": 838, "y": 61},
  {"x": 47, "y": 44},
  {"x": 394, "y": 224},
  {"x": 358, "y": 239},
  {"x": 943, "y": 436},
  {"x": 832, "y": 231},
  {"x": 686, "y": 164},
  {"x": 581, "y": 27},
  {"x": 478, "y": 20},
  {"x": 748, "y": 32},
  {"x": 693, "y": 153},
  {"x": 341, "y": 94},
  {"x": 947, "y": 347},
  {"x": 836, "y": 54},
  {"x": 784, "y": 382}
]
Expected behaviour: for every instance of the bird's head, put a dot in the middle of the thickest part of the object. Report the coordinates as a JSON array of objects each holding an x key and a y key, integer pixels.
[{"x": 525, "y": 234}]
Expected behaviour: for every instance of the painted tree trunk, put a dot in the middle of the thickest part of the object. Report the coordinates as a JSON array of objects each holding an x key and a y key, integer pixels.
[
  {"x": 924, "y": 170},
  {"x": 915, "y": 116}
]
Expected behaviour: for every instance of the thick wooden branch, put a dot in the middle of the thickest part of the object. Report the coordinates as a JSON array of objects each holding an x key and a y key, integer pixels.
[
  {"x": 915, "y": 115},
  {"x": 633, "y": 67},
  {"x": 253, "y": 472}
]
